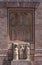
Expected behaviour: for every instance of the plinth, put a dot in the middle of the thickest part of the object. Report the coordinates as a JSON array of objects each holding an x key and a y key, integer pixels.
[{"x": 20, "y": 62}]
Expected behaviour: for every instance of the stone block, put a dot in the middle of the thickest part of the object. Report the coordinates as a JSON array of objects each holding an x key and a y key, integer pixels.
[{"x": 21, "y": 62}]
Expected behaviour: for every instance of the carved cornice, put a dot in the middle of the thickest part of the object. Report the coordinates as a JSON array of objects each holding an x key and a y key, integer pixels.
[{"x": 19, "y": 4}]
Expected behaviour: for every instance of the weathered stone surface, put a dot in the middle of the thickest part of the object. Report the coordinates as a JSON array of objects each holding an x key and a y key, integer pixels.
[
  {"x": 38, "y": 34},
  {"x": 38, "y": 27},
  {"x": 20, "y": 26},
  {"x": 1, "y": 59},
  {"x": 38, "y": 63},
  {"x": 38, "y": 58},
  {"x": 21, "y": 62},
  {"x": 21, "y": 0},
  {"x": 3, "y": 28}
]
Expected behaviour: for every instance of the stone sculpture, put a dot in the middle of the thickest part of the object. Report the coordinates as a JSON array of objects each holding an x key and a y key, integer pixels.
[{"x": 16, "y": 52}]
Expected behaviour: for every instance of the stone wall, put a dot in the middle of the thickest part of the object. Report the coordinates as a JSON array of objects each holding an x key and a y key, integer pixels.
[
  {"x": 38, "y": 35},
  {"x": 3, "y": 28},
  {"x": 3, "y": 33}
]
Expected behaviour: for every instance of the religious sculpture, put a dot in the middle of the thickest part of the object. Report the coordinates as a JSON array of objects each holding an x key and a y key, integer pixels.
[
  {"x": 16, "y": 52},
  {"x": 21, "y": 51},
  {"x": 28, "y": 52}
]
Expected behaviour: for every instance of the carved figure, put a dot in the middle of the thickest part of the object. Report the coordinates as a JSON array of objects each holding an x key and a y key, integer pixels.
[{"x": 16, "y": 52}]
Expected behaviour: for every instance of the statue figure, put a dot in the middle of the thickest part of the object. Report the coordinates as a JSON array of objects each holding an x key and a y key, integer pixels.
[
  {"x": 21, "y": 51},
  {"x": 16, "y": 52},
  {"x": 28, "y": 53}
]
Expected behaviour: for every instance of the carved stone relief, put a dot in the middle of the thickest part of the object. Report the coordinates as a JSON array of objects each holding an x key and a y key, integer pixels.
[
  {"x": 20, "y": 26},
  {"x": 21, "y": 51}
]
